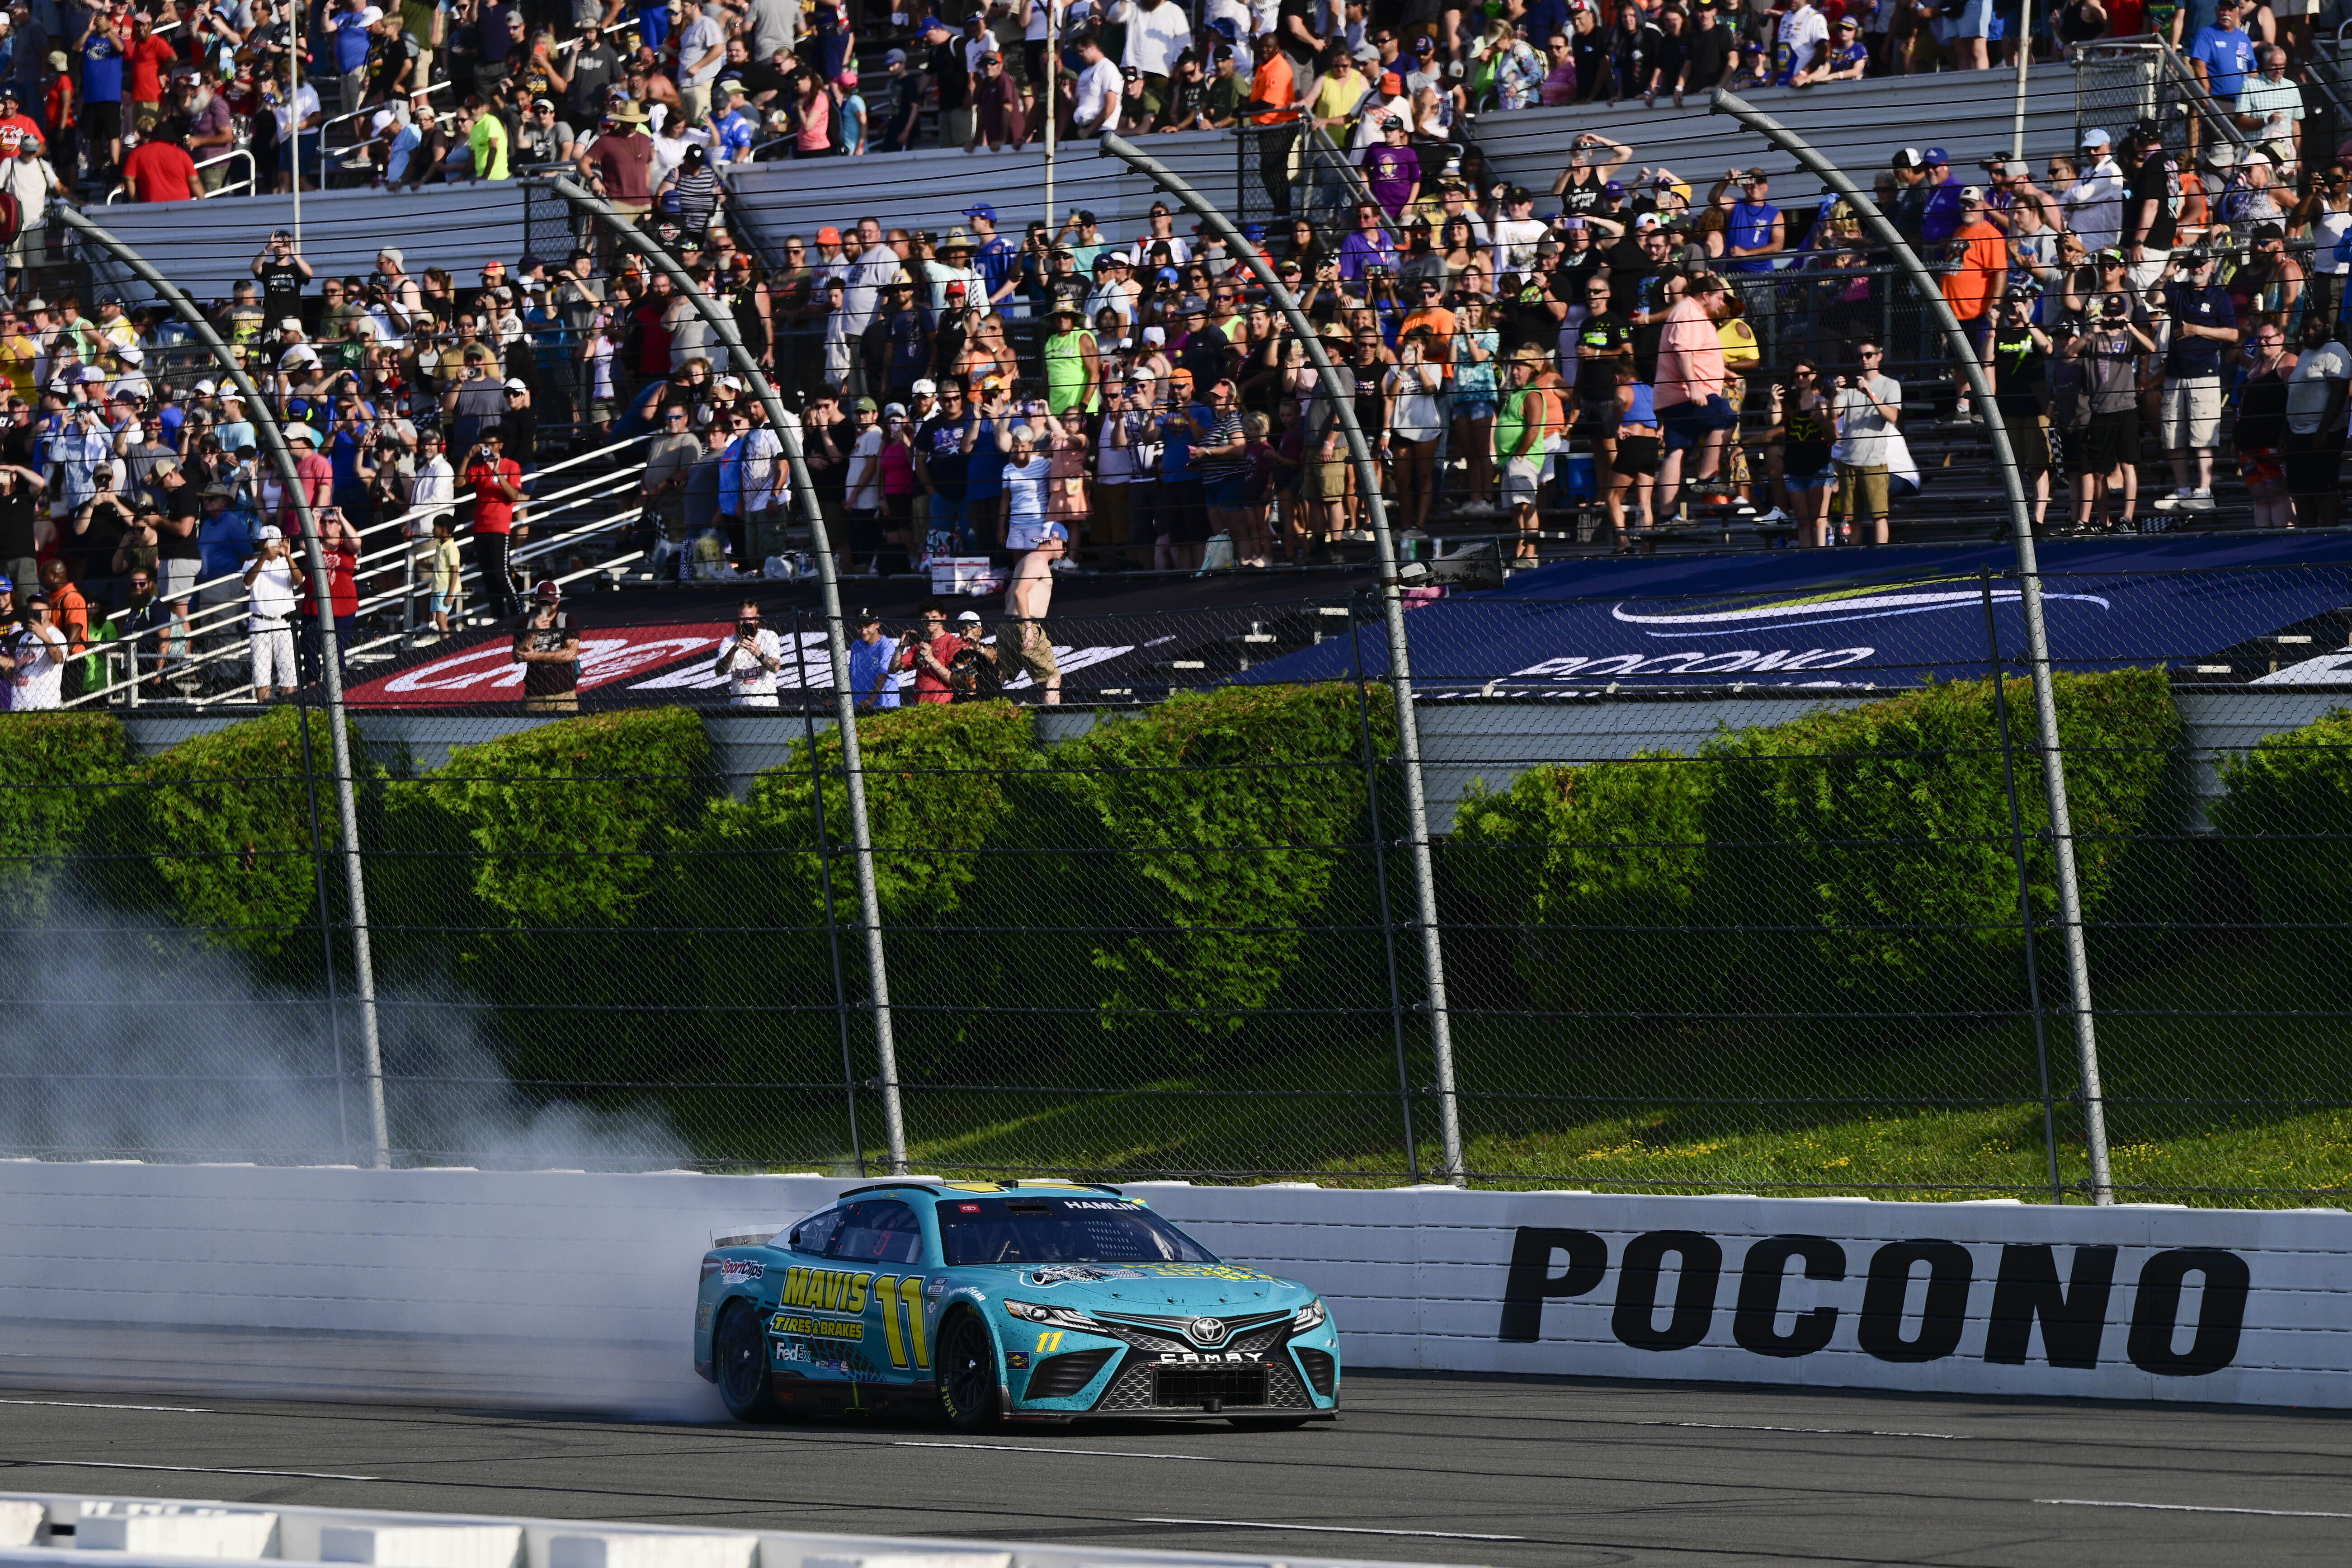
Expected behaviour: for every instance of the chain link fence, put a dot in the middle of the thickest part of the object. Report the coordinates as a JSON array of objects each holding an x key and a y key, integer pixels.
[{"x": 1775, "y": 918}]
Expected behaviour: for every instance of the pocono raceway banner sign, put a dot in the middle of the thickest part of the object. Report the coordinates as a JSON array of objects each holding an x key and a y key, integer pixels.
[
  {"x": 2204, "y": 607},
  {"x": 2131, "y": 1301}
]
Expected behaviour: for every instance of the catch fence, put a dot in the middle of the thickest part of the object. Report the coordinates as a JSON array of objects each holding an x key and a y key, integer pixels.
[{"x": 1777, "y": 917}]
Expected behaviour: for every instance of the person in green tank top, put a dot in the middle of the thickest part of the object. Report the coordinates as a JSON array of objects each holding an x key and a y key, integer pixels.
[{"x": 1073, "y": 365}]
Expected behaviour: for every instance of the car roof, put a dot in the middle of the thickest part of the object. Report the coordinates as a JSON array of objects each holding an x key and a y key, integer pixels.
[{"x": 937, "y": 1189}]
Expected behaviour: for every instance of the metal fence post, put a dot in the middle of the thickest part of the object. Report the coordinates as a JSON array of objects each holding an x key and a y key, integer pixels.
[
  {"x": 326, "y": 930},
  {"x": 2026, "y": 922},
  {"x": 264, "y": 422},
  {"x": 2029, "y": 580},
  {"x": 836, "y": 638},
  {"x": 1381, "y": 885},
  {"x": 1368, "y": 475},
  {"x": 825, "y": 873}
]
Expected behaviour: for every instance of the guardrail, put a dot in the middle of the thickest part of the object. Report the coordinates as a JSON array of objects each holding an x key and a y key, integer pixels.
[
  {"x": 36, "y": 1528},
  {"x": 220, "y": 622}
]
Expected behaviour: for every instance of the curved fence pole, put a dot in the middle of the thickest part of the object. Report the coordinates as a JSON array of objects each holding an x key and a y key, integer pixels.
[
  {"x": 2029, "y": 584},
  {"x": 836, "y": 633},
  {"x": 264, "y": 422},
  {"x": 1368, "y": 478}
]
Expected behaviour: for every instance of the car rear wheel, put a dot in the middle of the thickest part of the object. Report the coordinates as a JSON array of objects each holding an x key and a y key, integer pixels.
[
  {"x": 967, "y": 1374},
  {"x": 741, "y": 1351}
]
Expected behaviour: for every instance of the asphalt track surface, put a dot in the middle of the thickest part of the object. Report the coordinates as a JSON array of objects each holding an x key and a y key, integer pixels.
[{"x": 1468, "y": 1470}]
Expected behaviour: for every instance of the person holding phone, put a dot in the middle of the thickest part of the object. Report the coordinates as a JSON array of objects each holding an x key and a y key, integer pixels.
[
  {"x": 546, "y": 645},
  {"x": 273, "y": 581}
]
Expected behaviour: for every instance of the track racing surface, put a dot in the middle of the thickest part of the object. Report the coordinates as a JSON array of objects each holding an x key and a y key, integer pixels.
[{"x": 1419, "y": 1468}]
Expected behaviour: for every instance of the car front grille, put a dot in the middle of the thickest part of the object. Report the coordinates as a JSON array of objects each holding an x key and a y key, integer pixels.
[
  {"x": 1187, "y": 1388},
  {"x": 1065, "y": 1376},
  {"x": 1130, "y": 1390},
  {"x": 1322, "y": 1370},
  {"x": 1283, "y": 1389}
]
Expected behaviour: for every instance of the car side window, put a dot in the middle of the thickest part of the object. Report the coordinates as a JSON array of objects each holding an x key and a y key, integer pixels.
[
  {"x": 878, "y": 1230},
  {"x": 813, "y": 1233}
]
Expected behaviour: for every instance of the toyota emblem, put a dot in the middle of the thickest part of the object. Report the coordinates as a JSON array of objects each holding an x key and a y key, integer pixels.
[{"x": 1208, "y": 1331}]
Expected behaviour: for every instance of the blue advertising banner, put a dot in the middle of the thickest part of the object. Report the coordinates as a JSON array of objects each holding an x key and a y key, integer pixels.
[{"x": 2199, "y": 607}]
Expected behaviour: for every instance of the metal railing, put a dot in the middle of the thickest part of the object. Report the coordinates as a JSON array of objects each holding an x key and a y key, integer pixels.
[
  {"x": 218, "y": 623},
  {"x": 250, "y": 184}
]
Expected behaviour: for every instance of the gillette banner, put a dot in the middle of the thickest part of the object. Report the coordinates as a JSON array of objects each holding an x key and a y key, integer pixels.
[{"x": 2246, "y": 609}]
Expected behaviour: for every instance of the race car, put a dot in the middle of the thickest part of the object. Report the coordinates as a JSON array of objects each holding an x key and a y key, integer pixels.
[{"x": 1020, "y": 1300}]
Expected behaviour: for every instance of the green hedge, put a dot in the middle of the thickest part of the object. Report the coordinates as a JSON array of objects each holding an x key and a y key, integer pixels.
[
  {"x": 529, "y": 859},
  {"x": 55, "y": 770},
  {"x": 216, "y": 832},
  {"x": 2286, "y": 817},
  {"x": 1849, "y": 859},
  {"x": 1211, "y": 833}
]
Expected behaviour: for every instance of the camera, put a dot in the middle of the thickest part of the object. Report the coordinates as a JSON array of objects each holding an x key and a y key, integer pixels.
[{"x": 746, "y": 628}]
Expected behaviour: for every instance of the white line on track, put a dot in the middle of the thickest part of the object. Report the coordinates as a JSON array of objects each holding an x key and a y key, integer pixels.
[
  {"x": 1332, "y": 1529},
  {"x": 1093, "y": 1453},
  {"x": 187, "y": 1469},
  {"x": 2191, "y": 1508},
  {"x": 92, "y": 1405},
  {"x": 1810, "y": 1431}
]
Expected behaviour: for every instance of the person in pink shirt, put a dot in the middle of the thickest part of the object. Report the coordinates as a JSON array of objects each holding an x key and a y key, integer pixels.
[
  {"x": 317, "y": 476},
  {"x": 1691, "y": 408}
]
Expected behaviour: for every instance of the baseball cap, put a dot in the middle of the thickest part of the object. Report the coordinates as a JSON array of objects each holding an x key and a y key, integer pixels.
[
  {"x": 271, "y": 531},
  {"x": 547, "y": 590},
  {"x": 1910, "y": 158},
  {"x": 205, "y": 389},
  {"x": 1647, "y": 222},
  {"x": 1970, "y": 194},
  {"x": 981, "y": 211},
  {"x": 516, "y": 383},
  {"x": 2254, "y": 155},
  {"x": 1392, "y": 82},
  {"x": 969, "y": 618},
  {"x": 828, "y": 235},
  {"x": 893, "y": 58},
  {"x": 867, "y": 405},
  {"x": 1424, "y": 45},
  {"x": 1935, "y": 155},
  {"x": 7, "y": 585},
  {"x": 2094, "y": 137},
  {"x": 1391, "y": 122},
  {"x": 302, "y": 433},
  {"x": 870, "y": 617},
  {"x": 926, "y": 387},
  {"x": 1611, "y": 188}
]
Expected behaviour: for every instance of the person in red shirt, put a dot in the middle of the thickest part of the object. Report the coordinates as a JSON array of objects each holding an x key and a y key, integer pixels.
[
  {"x": 497, "y": 482},
  {"x": 317, "y": 476},
  {"x": 338, "y": 550},
  {"x": 160, "y": 170},
  {"x": 15, "y": 125},
  {"x": 60, "y": 105},
  {"x": 145, "y": 57},
  {"x": 929, "y": 653}
]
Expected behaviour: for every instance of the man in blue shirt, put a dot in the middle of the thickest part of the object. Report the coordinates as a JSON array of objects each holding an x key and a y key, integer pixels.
[
  {"x": 101, "y": 91},
  {"x": 736, "y": 129},
  {"x": 997, "y": 259},
  {"x": 870, "y": 656},
  {"x": 350, "y": 26},
  {"x": 2204, "y": 329},
  {"x": 1940, "y": 219},
  {"x": 2222, "y": 56}
]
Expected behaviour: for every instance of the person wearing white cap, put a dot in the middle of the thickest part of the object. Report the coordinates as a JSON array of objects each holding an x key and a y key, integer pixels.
[
  {"x": 2094, "y": 202},
  {"x": 313, "y": 473},
  {"x": 273, "y": 584}
]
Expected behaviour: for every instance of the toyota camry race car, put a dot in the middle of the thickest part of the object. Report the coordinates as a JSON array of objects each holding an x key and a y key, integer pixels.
[{"x": 1026, "y": 1301}]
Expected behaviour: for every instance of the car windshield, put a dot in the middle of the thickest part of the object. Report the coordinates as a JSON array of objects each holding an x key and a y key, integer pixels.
[{"x": 1104, "y": 1229}]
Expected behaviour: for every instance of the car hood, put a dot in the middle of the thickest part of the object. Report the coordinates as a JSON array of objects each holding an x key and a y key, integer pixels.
[{"x": 1152, "y": 1287}]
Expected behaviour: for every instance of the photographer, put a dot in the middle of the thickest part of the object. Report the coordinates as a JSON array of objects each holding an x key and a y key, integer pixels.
[
  {"x": 274, "y": 583},
  {"x": 929, "y": 651},
  {"x": 547, "y": 646},
  {"x": 497, "y": 482},
  {"x": 749, "y": 659}
]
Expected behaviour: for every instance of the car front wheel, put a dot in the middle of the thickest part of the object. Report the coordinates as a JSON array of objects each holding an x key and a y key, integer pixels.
[{"x": 967, "y": 1374}]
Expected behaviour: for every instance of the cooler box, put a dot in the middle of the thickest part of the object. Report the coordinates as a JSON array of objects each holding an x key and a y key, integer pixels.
[{"x": 1577, "y": 479}]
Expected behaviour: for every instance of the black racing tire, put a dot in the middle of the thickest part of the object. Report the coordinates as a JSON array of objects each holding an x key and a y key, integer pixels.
[
  {"x": 738, "y": 1353},
  {"x": 967, "y": 1372},
  {"x": 1269, "y": 1423}
]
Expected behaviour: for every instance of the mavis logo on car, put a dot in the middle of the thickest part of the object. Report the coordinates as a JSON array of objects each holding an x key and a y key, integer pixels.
[{"x": 826, "y": 1290}]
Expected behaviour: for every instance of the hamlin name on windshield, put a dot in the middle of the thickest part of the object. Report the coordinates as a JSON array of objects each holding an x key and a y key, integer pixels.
[{"x": 826, "y": 1290}]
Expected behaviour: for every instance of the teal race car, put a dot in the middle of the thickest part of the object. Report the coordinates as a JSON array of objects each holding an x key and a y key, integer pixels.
[{"x": 989, "y": 1301}]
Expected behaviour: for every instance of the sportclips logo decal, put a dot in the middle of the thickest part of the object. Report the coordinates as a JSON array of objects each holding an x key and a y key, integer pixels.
[{"x": 1550, "y": 1265}]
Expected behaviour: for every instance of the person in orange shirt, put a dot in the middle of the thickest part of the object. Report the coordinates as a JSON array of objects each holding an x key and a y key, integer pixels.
[
  {"x": 1274, "y": 93},
  {"x": 69, "y": 612},
  {"x": 1981, "y": 264}
]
